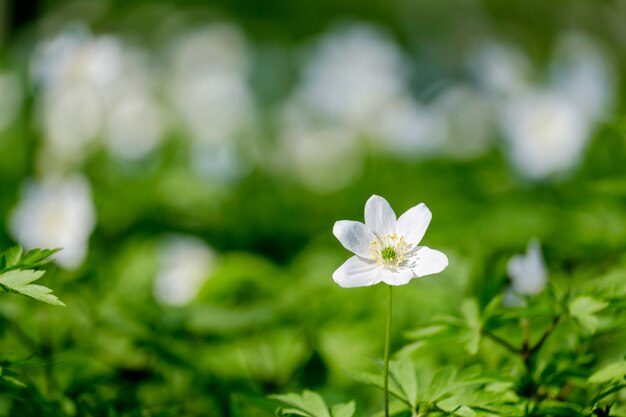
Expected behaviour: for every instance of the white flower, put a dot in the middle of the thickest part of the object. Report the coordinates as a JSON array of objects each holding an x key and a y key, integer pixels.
[
  {"x": 187, "y": 262},
  {"x": 387, "y": 250},
  {"x": 92, "y": 88},
  {"x": 208, "y": 85},
  {"x": 500, "y": 68},
  {"x": 410, "y": 130},
  {"x": 351, "y": 74},
  {"x": 584, "y": 73},
  {"x": 528, "y": 272},
  {"x": 469, "y": 121},
  {"x": 322, "y": 158},
  {"x": 56, "y": 214},
  {"x": 545, "y": 131}
]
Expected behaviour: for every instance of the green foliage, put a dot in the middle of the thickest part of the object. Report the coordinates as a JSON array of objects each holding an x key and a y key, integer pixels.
[
  {"x": 268, "y": 318},
  {"x": 311, "y": 404},
  {"x": 614, "y": 372},
  {"x": 17, "y": 273},
  {"x": 584, "y": 309}
]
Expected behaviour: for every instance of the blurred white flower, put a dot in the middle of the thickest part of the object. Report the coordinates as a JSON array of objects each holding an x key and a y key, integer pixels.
[
  {"x": 223, "y": 163},
  {"x": 322, "y": 157},
  {"x": 56, "y": 213},
  {"x": 582, "y": 72},
  {"x": 386, "y": 250},
  {"x": 546, "y": 133},
  {"x": 72, "y": 119},
  {"x": 94, "y": 87},
  {"x": 500, "y": 68},
  {"x": 409, "y": 130},
  {"x": 134, "y": 124},
  {"x": 75, "y": 57},
  {"x": 470, "y": 122},
  {"x": 11, "y": 96},
  {"x": 186, "y": 263},
  {"x": 209, "y": 83},
  {"x": 351, "y": 74},
  {"x": 528, "y": 272}
]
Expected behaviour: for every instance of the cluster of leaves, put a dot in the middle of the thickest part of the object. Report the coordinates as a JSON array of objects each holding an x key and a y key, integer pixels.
[
  {"x": 18, "y": 271},
  {"x": 542, "y": 349}
]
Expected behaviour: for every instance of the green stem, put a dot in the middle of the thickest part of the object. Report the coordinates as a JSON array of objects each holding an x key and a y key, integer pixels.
[{"x": 387, "y": 339}]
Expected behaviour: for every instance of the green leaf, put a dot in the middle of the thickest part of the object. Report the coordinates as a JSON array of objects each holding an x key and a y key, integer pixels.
[
  {"x": 612, "y": 389},
  {"x": 343, "y": 410},
  {"x": 311, "y": 403},
  {"x": 558, "y": 408},
  {"x": 37, "y": 257},
  {"x": 291, "y": 411},
  {"x": 471, "y": 336},
  {"x": 20, "y": 281},
  {"x": 404, "y": 375},
  {"x": 12, "y": 256},
  {"x": 583, "y": 309},
  {"x": 376, "y": 380},
  {"x": 492, "y": 308},
  {"x": 441, "y": 383},
  {"x": 14, "y": 381},
  {"x": 613, "y": 372}
]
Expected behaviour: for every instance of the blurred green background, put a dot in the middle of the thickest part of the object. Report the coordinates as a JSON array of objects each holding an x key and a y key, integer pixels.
[{"x": 191, "y": 158}]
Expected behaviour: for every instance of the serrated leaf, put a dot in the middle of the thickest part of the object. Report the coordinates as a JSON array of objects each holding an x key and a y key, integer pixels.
[
  {"x": 441, "y": 383},
  {"x": 613, "y": 372},
  {"x": 20, "y": 281},
  {"x": 403, "y": 374},
  {"x": 343, "y": 410},
  {"x": 309, "y": 402},
  {"x": 12, "y": 256},
  {"x": 584, "y": 309},
  {"x": 37, "y": 257}
]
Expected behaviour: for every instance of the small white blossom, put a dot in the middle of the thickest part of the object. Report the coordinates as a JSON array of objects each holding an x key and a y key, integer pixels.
[
  {"x": 583, "y": 72},
  {"x": 410, "y": 130},
  {"x": 546, "y": 133},
  {"x": 186, "y": 263},
  {"x": 322, "y": 158},
  {"x": 500, "y": 68},
  {"x": 528, "y": 272},
  {"x": 56, "y": 214},
  {"x": 208, "y": 85},
  {"x": 93, "y": 88},
  {"x": 386, "y": 249},
  {"x": 469, "y": 121},
  {"x": 351, "y": 75}
]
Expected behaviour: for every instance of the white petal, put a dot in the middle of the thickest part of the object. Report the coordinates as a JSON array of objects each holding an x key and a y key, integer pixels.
[
  {"x": 379, "y": 216},
  {"x": 357, "y": 272},
  {"x": 427, "y": 261},
  {"x": 528, "y": 272},
  {"x": 398, "y": 277},
  {"x": 354, "y": 236},
  {"x": 413, "y": 223}
]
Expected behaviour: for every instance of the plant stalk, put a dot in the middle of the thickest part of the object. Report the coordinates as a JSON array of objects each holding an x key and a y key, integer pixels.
[{"x": 386, "y": 356}]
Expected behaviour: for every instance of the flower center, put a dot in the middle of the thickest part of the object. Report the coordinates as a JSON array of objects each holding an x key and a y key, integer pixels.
[{"x": 389, "y": 251}]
